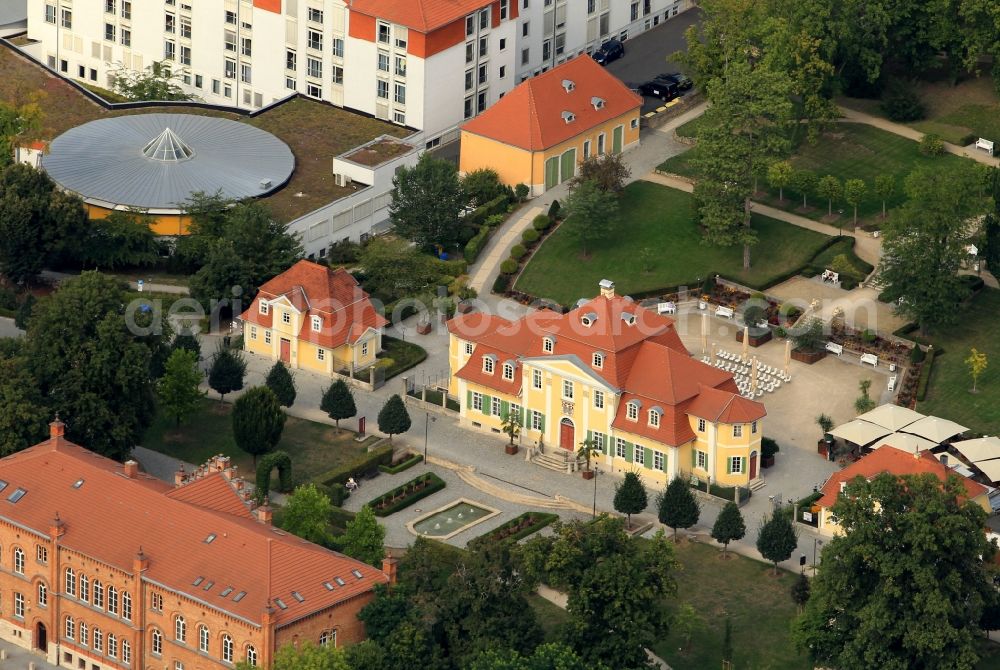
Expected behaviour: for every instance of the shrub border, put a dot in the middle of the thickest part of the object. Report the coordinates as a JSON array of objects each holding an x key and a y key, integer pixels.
[
  {"x": 436, "y": 485},
  {"x": 547, "y": 519},
  {"x": 378, "y": 455},
  {"x": 405, "y": 465},
  {"x": 925, "y": 374}
]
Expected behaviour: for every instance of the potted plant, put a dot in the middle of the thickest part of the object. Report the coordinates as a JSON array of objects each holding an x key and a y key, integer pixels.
[
  {"x": 511, "y": 425},
  {"x": 588, "y": 450},
  {"x": 768, "y": 448},
  {"x": 825, "y": 423},
  {"x": 753, "y": 315},
  {"x": 808, "y": 343}
]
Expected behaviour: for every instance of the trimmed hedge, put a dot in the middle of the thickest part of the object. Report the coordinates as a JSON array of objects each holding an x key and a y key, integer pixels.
[
  {"x": 361, "y": 465},
  {"x": 530, "y": 235},
  {"x": 509, "y": 266},
  {"x": 398, "y": 498},
  {"x": 276, "y": 459},
  {"x": 478, "y": 216},
  {"x": 405, "y": 465},
  {"x": 476, "y": 244},
  {"x": 541, "y": 222},
  {"x": 925, "y": 374},
  {"x": 517, "y": 252},
  {"x": 502, "y": 533},
  {"x": 501, "y": 283}
]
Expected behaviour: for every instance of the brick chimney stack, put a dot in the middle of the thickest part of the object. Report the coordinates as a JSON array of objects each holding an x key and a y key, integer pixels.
[
  {"x": 389, "y": 568},
  {"x": 180, "y": 476},
  {"x": 57, "y": 429},
  {"x": 58, "y": 528},
  {"x": 131, "y": 469},
  {"x": 140, "y": 563},
  {"x": 607, "y": 288},
  {"x": 264, "y": 513}
]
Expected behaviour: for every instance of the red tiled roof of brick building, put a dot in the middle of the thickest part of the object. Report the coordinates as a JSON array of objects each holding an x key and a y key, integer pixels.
[{"x": 421, "y": 15}]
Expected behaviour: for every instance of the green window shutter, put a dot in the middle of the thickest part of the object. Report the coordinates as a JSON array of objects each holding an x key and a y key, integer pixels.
[
  {"x": 504, "y": 408},
  {"x": 590, "y": 435},
  {"x": 541, "y": 423},
  {"x": 729, "y": 465},
  {"x": 629, "y": 452},
  {"x": 743, "y": 465},
  {"x": 647, "y": 459},
  {"x": 694, "y": 457},
  {"x": 487, "y": 403},
  {"x": 468, "y": 401}
]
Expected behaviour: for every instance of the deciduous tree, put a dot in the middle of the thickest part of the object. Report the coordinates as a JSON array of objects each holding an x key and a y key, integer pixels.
[
  {"x": 393, "y": 418},
  {"x": 630, "y": 496},
  {"x": 280, "y": 381},
  {"x": 257, "y": 422},
  {"x": 482, "y": 185},
  {"x": 608, "y": 171},
  {"x": 307, "y": 514},
  {"x": 552, "y": 656},
  {"x": 906, "y": 583},
  {"x": 885, "y": 184},
  {"x": 854, "y": 192},
  {"x": 23, "y": 413},
  {"x": 779, "y": 175},
  {"x": 677, "y": 506},
  {"x": 729, "y": 526},
  {"x": 977, "y": 363},
  {"x": 364, "y": 538},
  {"x": 158, "y": 81},
  {"x": 119, "y": 240},
  {"x": 777, "y": 540},
  {"x": 830, "y": 188},
  {"x": 426, "y": 201},
  {"x": 177, "y": 390},
  {"x": 591, "y": 214},
  {"x": 804, "y": 181}
]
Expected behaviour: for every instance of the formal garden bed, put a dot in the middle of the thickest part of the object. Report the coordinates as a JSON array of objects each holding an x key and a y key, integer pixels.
[
  {"x": 727, "y": 493},
  {"x": 401, "y": 463},
  {"x": 516, "y": 529},
  {"x": 405, "y": 495}
]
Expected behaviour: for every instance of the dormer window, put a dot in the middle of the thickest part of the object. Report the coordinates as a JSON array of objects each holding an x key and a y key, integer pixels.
[
  {"x": 843, "y": 485},
  {"x": 632, "y": 410},
  {"x": 628, "y": 318},
  {"x": 468, "y": 348},
  {"x": 568, "y": 85},
  {"x": 488, "y": 362},
  {"x": 508, "y": 371},
  {"x": 568, "y": 117},
  {"x": 598, "y": 360},
  {"x": 317, "y": 324},
  {"x": 265, "y": 309},
  {"x": 548, "y": 344},
  {"x": 654, "y": 417},
  {"x": 598, "y": 103},
  {"x": 286, "y": 317},
  {"x": 588, "y": 319}
]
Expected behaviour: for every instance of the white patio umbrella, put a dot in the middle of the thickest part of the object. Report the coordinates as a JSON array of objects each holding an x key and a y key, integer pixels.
[
  {"x": 906, "y": 442},
  {"x": 859, "y": 432},
  {"x": 788, "y": 354},
  {"x": 935, "y": 428},
  {"x": 979, "y": 449},
  {"x": 753, "y": 375},
  {"x": 990, "y": 468},
  {"x": 715, "y": 354},
  {"x": 891, "y": 417},
  {"x": 704, "y": 333},
  {"x": 746, "y": 343}
]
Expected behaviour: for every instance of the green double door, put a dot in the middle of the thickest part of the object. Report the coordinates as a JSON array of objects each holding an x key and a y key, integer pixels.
[{"x": 560, "y": 168}]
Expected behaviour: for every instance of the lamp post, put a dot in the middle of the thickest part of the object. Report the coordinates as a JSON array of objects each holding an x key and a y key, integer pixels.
[
  {"x": 427, "y": 421},
  {"x": 597, "y": 471},
  {"x": 816, "y": 543}
]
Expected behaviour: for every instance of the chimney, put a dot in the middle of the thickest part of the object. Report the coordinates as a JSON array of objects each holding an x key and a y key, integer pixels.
[
  {"x": 944, "y": 460},
  {"x": 57, "y": 429},
  {"x": 58, "y": 528},
  {"x": 180, "y": 476},
  {"x": 140, "y": 563},
  {"x": 264, "y": 513},
  {"x": 131, "y": 469},
  {"x": 607, "y": 288},
  {"x": 389, "y": 568}
]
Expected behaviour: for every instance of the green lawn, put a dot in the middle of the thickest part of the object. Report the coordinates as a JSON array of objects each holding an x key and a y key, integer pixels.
[
  {"x": 948, "y": 395},
  {"x": 398, "y": 355},
  {"x": 846, "y": 151},
  {"x": 314, "y": 447},
  {"x": 758, "y": 604},
  {"x": 660, "y": 219},
  {"x": 550, "y": 617}
]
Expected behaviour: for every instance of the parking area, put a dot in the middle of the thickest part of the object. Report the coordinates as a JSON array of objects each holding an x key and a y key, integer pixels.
[{"x": 648, "y": 54}]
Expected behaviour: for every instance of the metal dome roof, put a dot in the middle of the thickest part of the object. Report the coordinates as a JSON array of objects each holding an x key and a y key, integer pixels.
[{"x": 155, "y": 161}]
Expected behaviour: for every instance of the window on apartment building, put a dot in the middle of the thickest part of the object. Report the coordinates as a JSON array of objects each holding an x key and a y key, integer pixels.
[
  {"x": 186, "y": 27},
  {"x": 364, "y": 349},
  {"x": 286, "y": 317},
  {"x": 647, "y": 7},
  {"x": 19, "y": 605},
  {"x": 548, "y": 344},
  {"x": 253, "y": 333},
  {"x": 639, "y": 455},
  {"x": 383, "y": 61},
  {"x": 170, "y": 23},
  {"x": 291, "y": 62},
  {"x": 400, "y": 66},
  {"x": 601, "y": 141},
  {"x": 658, "y": 461},
  {"x": 488, "y": 364},
  {"x": 67, "y": 18},
  {"x": 470, "y": 52},
  {"x": 251, "y": 657},
  {"x": 399, "y": 94},
  {"x": 546, "y": 50},
  {"x": 230, "y": 69},
  {"x": 586, "y": 149},
  {"x": 338, "y": 46},
  {"x": 81, "y": 71},
  {"x": 231, "y": 17},
  {"x": 41, "y": 554},
  {"x": 560, "y": 44},
  {"x": 599, "y": 440},
  {"x": 634, "y": 12},
  {"x": 246, "y": 46},
  {"x": 185, "y": 56},
  {"x": 504, "y": 9},
  {"x": 484, "y": 18},
  {"x": 267, "y": 337},
  {"x": 598, "y": 399},
  {"x": 156, "y": 643},
  {"x": 537, "y": 420},
  {"x": 98, "y": 640},
  {"x": 98, "y": 600},
  {"x": 321, "y": 354},
  {"x": 84, "y": 634},
  {"x": 484, "y": 47},
  {"x": 69, "y": 584},
  {"x": 328, "y": 638},
  {"x": 63, "y": 65},
  {"x": 169, "y": 50},
  {"x": 619, "y": 447},
  {"x": 216, "y": 84},
  {"x": 605, "y": 24},
  {"x": 701, "y": 425},
  {"x": 753, "y": 428},
  {"x": 736, "y": 464},
  {"x": 156, "y": 602},
  {"x": 468, "y": 348},
  {"x": 112, "y": 645},
  {"x": 227, "y": 90},
  {"x": 316, "y": 323},
  {"x": 84, "y": 588},
  {"x": 525, "y": 56},
  {"x": 50, "y": 13},
  {"x": 470, "y": 80},
  {"x": 654, "y": 418},
  {"x": 126, "y": 606},
  {"x": 315, "y": 15},
  {"x": 503, "y": 74},
  {"x": 70, "y": 628},
  {"x": 382, "y": 89},
  {"x": 525, "y": 5},
  {"x": 93, "y": 72},
  {"x": 203, "y": 638},
  {"x": 591, "y": 6},
  {"x": 495, "y": 406},
  {"x": 112, "y": 600},
  {"x": 477, "y": 401},
  {"x": 19, "y": 560},
  {"x": 314, "y": 39},
  {"x": 230, "y": 38},
  {"x": 246, "y": 73},
  {"x": 126, "y": 652},
  {"x": 701, "y": 459},
  {"x": 199, "y": 81},
  {"x": 383, "y": 33},
  {"x": 43, "y": 595},
  {"x": 632, "y": 411},
  {"x": 314, "y": 68},
  {"x": 567, "y": 389},
  {"x": 470, "y": 25},
  {"x": 508, "y": 371},
  {"x": 337, "y": 78},
  {"x": 126, "y": 9},
  {"x": 468, "y": 107},
  {"x": 126, "y": 41},
  {"x": 110, "y": 6},
  {"x": 738, "y": 430}
]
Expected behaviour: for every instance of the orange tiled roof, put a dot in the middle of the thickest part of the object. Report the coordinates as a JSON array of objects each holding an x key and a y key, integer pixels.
[
  {"x": 531, "y": 115},
  {"x": 213, "y": 491},
  {"x": 421, "y": 15},
  {"x": 717, "y": 405},
  {"x": 897, "y": 462},
  {"x": 110, "y": 515},
  {"x": 315, "y": 290}
]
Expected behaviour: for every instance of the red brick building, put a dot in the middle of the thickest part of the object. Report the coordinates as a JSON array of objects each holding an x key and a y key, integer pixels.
[{"x": 104, "y": 567}]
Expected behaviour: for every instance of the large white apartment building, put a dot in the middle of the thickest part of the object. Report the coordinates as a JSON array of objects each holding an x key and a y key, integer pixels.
[{"x": 426, "y": 64}]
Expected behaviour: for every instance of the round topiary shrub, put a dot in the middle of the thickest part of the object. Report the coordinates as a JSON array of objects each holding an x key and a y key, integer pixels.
[
  {"x": 917, "y": 355},
  {"x": 530, "y": 235},
  {"x": 509, "y": 266},
  {"x": 931, "y": 145},
  {"x": 518, "y": 251},
  {"x": 495, "y": 220},
  {"x": 541, "y": 222},
  {"x": 521, "y": 192}
]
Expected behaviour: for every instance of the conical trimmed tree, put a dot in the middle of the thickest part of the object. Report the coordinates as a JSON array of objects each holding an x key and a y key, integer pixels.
[
  {"x": 257, "y": 422},
  {"x": 185, "y": 340},
  {"x": 776, "y": 540},
  {"x": 338, "y": 402},
  {"x": 630, "y": 496},
  {"x": 280, "y": 381},
  {"x": 728, "y": 526},
  {"x": 227, "y": 372},
  {"x": 677, "y": 505},
  {"x": 393, "y": 418}
]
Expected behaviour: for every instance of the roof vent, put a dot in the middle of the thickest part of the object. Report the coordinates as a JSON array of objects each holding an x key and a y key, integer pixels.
[
  {"x": 265, "y": 184},
  {"x": 16, "y": 495},
  {"x": 78, "y": 483},
  {"x": 588, "y": 319},
  {"x": 568, "y": 85},
  {"x": 598, "y": 103},
  {"x": 280, "y": 603},
  {"x": 568, "y": 117},
  {"x": 211, "y": 538},
  {"x": 357, "y": 573},
  {"x": 298, "y": 596},
  {"x": 168, "y": 148}
]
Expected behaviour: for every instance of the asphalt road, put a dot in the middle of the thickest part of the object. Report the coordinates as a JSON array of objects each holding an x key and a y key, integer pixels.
[{"x": 648, "y": 54}]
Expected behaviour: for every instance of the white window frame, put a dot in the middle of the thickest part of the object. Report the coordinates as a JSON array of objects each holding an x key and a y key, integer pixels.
[
  {"x": 598, "y": 360},
  {"x": 317, "y": 324},
  {"x": 488, "y": 365},
  {"x": 180, "y": 629},
  {"x": 286, "y": 317},
  {"x": 477, "y": 401},
  {"x": 156, "y": 643},
  {"x": 43, "y": 594},
  {"x": 69, "y": 628},
  {"x": 508, "y": 371},
  {"x": 267, "y": 337},
  {"x": 701, "y": 459},
  {"x": 753, "y": 428},
  {"x": 126, "y": 606},
  {"x": 658, "y": 461},
  {"x": 701, "y": 425},
  {"x": 737, "y": 430},
  {"x": 536, "y": 420},
  {"x": 736, "y": 465},
  {"x": 18, "y": 605},
  {"x": 598, "y": 399},
  {"x": 227, "y": 648},
  {"x": 495, "y": 406},
  {"x": 567, "y": 389},
  {"x": 320, "y": 354},
  {"x": 639, "y": 454},
  {"x": 599, "y": 440},
  {"x": 19, "y": 560},
  {"x": 632, "y": 411},
  {"x": 469, "y": 348},
  {"x": 654, "y": 418},
  {"x": 619, "y": 447},
  {"x": 548, "y": 344},
  {"x": 536, "y": 379},
  {"x": 70, "y": 582},
  {"x": 203, "y": 637},
  {"x": 264, "y": 308}
]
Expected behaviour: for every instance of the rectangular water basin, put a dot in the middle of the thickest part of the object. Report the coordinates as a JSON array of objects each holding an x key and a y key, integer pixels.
[{"x": 452, "y": 519}]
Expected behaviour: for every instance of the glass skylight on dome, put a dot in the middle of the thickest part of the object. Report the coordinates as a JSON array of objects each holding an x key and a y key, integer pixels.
[{"x": 167, "y": 147}]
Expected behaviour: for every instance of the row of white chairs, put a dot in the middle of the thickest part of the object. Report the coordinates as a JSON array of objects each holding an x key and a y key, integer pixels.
[{"x": 734, "y": 363}]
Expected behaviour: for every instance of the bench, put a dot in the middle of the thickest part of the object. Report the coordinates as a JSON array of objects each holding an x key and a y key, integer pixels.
[
  {"x": 892, "y": 383},
  {"x": 835, "y": 348},
  {"x": 985, "y": 145},
  {"x": 666, "y": 308},
  {"x": 871, "y": 359},
  {"x": 830, "y": 276},
  {"x": 726, "y": 312},
  {"x": 762, "y": 324}
]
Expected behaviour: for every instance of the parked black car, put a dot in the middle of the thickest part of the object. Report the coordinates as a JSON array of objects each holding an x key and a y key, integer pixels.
[
  {"x": 660, "y": 87},
  {"x": 611, "y": 50},
  {"x": 683, "y": 81}
]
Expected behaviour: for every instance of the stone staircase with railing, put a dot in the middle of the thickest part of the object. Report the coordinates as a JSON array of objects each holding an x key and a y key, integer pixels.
[{"x": 559, "y": 460}]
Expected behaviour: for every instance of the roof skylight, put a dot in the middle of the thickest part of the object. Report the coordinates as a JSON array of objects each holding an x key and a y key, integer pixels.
[
  {"x": 167, "y": 147},
  {"x": 16, "y": 495},
  {"x": 239, "y": 596}
]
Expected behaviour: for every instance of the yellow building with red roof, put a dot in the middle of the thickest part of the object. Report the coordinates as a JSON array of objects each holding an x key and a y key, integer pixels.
[
  {"x": 612, "y": 372},
  {"x": 314, "y": 318},
  {"x": 539, "y": 132}
]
